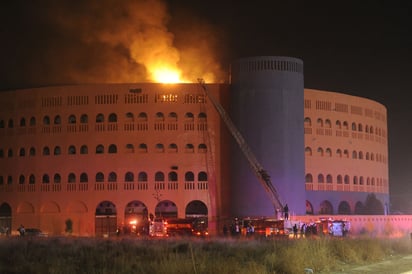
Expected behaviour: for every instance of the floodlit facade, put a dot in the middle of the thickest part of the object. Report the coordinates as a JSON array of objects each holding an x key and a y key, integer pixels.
[{"x": 93, "y": 158}]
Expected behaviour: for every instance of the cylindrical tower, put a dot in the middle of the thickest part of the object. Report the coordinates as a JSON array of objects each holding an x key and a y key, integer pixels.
[{"x": 267, "y": 95}]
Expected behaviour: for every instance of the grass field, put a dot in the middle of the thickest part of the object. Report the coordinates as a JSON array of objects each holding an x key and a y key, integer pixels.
[{"x": 192, "y": 255}]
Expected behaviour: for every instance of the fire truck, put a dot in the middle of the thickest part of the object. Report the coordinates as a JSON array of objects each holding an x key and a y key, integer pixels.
[
  {"x": 336, "y": 228},
  {"x": 158, "y": 227},
  {"x": 187, "y": 227}
]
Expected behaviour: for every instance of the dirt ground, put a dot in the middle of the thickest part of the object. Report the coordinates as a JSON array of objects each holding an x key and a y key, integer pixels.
[{"x": 394, "y": 265}]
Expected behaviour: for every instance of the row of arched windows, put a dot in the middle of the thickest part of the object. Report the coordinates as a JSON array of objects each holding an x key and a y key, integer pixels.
[
  {"x": 111, "y": 118},
  {"x": 345, "y": 154},
  {"x": 320, "y": 123},
  {"x": 100, "y": 149},
  {"x": 111, "y": 177},
  {"x": 356, "y": 180}
]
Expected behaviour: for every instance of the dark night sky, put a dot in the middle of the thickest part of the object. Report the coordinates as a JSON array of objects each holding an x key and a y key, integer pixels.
[{"x": 362, "y": 48}]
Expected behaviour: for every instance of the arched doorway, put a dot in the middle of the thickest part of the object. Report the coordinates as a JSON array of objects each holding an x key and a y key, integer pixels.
[
  {"x": 5, "y": 219},
  {"x": 344, "y": 208},
  {"x": 166, "y": 209},
  {"x": 326, "y": 208},
  {"x": 196, "y": 209},
  {"x": 136, "y": 218},
  {"x": 106, "y": 219},
  {"x": 359, "y": 208}
]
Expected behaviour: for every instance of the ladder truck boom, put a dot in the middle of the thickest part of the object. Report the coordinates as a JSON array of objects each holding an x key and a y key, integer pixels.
[{"x": 259, "y": 171}]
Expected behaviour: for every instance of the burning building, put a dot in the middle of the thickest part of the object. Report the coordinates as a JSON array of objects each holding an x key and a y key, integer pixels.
[{"x": 109, "y": 155}]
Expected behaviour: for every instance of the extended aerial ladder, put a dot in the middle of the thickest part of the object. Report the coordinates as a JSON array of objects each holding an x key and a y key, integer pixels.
[{"x": 259, "y": 171}]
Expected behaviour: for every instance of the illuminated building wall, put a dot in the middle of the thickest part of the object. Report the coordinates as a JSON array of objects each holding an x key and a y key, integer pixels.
[
  {"x": 102, "y": 155},
  {"x": 346, "y": 154}
]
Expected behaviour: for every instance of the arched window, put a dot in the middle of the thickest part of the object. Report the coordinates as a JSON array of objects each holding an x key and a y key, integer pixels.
[
  {"x": 57, "y": 178},
  {"x": 112, "y": 177},
  {"x": 84, "y": 178},
  {"x": 112, "y": 148},
  {"x": 22, "y": 122},
  {"x": 142, "y": 117},
  {"x": 319, "y": 122},
  {"x": 129, "y": 117},
  {"x": 189, "y": 176},
  {"x": 339, "y": 179},
  {"x": 172, "y": 177},
  {"x": 99, "y": 177},
  {"x": 129, "y": 148},
  {"x": 355, "y": 180},
  {"x": 172, "y": 117},
  {"x": 143, "y": 148},
  {"x": 99, "y": 149},
  {"x": 84, "y": 119},
  {"x": 57, "y": 120},
  {"x": 202, "y": 148},
  {"x": 46, "y": 151},
  {"x": 22, "y": 152},
  {"x": 99, "y": 118},
  {"x": 309, "y": 178},
  {"x": 189, "y": 117},
  {"x": 72, "y": 150},
  {"x": 32, "y": 122},
  {"x": 307, "y": 122},
  {"x": 320, "y": 178},
  {"x": 328, "y": 152},
  {"x": 22, "y": 179},
  {"x": 72, "y": 119},
  {"x": 353, "y": 126},
  {"x": 71, "y": 178},
  {"x": 84, "y": 149},
  {"x": 202, "y": 176},
  {"x": 189, "y": 148},
  {"x": 160, "y": 148},
  {"x": 346, "y": 153},
  {"x": 129, "y": 177},
  {"x": 45, "y": 179},
  {"x": 328, "y": 124},
  {"x": 339, "y": 153},
  {"x": 354, "y": 155},
  {"x": 202, "y": 117},
  {"x": 142, "y": 177},
  {"x": 320, "y": 151},
  {"x": 346, "y": 180},
  {"x": 172, "y": 148},
  {"x": 32, "y": 151},
  {"x": 159, "y": 176},
  {"x": 112, "y": 118},
  {"x": 32, "y": 179},
  {"x": 308, "y": 151},
  {"x": 159, "y": 117},
  {"x": 57, "y": 150},
  {"x": 46, "y": 120},
  {"x": 329, "y": 179},
  {"x": 338, "y": 124}
]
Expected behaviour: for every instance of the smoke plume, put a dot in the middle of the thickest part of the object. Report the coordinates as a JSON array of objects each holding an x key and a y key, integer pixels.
[{"x": 101, "y": 41}]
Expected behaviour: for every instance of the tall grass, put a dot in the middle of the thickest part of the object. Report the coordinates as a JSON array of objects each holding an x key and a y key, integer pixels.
[{"x": 194, "y": 256}]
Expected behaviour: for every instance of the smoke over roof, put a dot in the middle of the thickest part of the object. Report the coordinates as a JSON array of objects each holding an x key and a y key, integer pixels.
[{"x": 102, "y": 41}]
